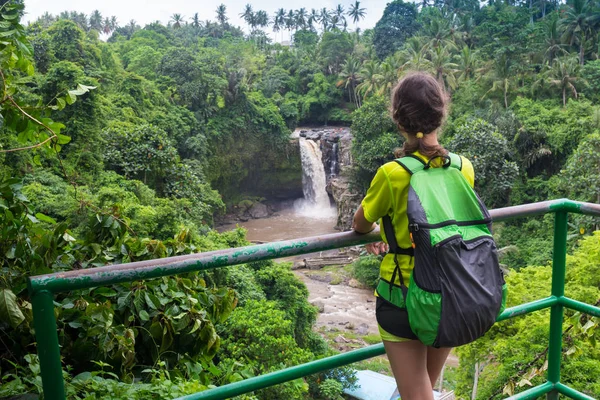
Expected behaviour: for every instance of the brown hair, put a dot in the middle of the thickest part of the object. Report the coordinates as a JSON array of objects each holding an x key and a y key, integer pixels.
[{"x": 419, "y": 104}]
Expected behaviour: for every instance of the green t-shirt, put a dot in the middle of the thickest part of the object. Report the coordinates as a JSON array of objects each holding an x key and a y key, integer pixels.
[{"x": 388, "y": 195}]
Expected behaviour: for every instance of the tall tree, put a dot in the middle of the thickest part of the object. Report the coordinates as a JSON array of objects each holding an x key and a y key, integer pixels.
[
  {"x": 398, "y": 23},
  {"x": 114, "y": 24},
  {"x": 576, "y": 23},
  {"x": 248, "y": 16},
  {"x": 279, "y": 21},
  {"x": 261, "y": 19},
  {"x": 349, "y": 77},
  {"x": 443, "y": 67},
  {"x": 554, "y": 47},
  {"x": 222, "y": 14},
  {"x": 196, "y": 21},
  {"x": 301, "y": 17},
  {"x": 339, "y": 12},
  {"x": 324, "y": 18},
  {"x": 177, "y": 20},
  {"x": 564, "y": 74},
  {"x": 96, "y": 21},
  {"x": 313, "y": 18},
  {"x": 290, "y": 21},
  {"x": 356, "y": 12},
  {"x": 502, "y": 77},
  {"x": 106, "y": 26},
  {"x": 370, "y": 75}
]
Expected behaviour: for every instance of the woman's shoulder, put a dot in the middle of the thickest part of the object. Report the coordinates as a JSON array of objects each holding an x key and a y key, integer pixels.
[{"x": 393, "y": 169}]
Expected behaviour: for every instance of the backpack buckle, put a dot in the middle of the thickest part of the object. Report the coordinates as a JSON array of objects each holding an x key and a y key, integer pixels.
[{"x": 446, "y": 164}]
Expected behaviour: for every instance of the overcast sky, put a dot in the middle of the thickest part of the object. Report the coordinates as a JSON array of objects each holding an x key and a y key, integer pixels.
[{"x": 146, "y": 11}]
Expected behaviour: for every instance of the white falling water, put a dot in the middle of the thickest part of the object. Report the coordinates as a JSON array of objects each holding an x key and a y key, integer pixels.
[{"x": 316, "y": 200}]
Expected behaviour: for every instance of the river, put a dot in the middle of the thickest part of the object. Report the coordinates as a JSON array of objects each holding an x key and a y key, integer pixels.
[{"x": 344, "y": 308}]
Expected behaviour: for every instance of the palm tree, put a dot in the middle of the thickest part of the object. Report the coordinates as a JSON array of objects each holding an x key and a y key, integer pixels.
[
  {"x": 564, "y": 74},
  {"x": 106, "y": 27},
  {"x": 339, "y": 13},
  {"x": 324, "y": 18},
  {"x": 177, "y": 19},
  {"x": 502, "y": 77},
  {"x": 370, "y": 77},
  {"x": 415, "y": 55},
  {"x": 279, "y": 21},
  {"x": 96, "y": 21},
  {"x": 222, "y": 14},
  {"x": 467, "y": 64},
  {"x": 439, "y": 33},
  {"x": 248, "y": 15},
  {"x": 554, "y": 47},
  {"x": 301, "y": 17},
  {"x": 261, "y": 19},
  {"x": 290, "y": 21},
  {"x": 356, "y": 12},
  {"x": 113, "y": 23},
  {"x": 576, "y": 23},
  {"x": 388, "y": 77},
  {"x": 196, "y": 21},
  {"x": 313, "y": 17},
  {"x": 349, "y": 77},
  {"x": 443, "y": 67}
]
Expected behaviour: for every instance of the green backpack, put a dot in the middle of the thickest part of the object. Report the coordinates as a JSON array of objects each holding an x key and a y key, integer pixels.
[{"x": 456, "y": 288}]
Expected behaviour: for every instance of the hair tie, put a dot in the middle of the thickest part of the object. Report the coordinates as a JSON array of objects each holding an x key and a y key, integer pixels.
[{"x": 419, "y": 135}]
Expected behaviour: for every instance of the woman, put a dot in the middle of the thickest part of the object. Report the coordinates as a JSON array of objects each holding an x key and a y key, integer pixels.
[{"x": 419, "y": 107}]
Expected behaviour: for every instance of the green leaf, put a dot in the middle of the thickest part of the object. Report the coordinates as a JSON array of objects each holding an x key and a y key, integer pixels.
[
  {"x": 106, "y": 292},
  {"x": 68, "y": 238},
  {"x": 70, "y": 98},
  {"x": 9, "y": 309},
  {"x": 144, "y": 316},
  {"x": 37, "y": 161},
  {"x": 7, "y": 33},
  {"x": 10, "y": 16},
  {"x": 61, "y": 103},
  {"x": 32, "y": 218},
  {"x": 152, "y": 301},
  {"x": 63, "y": 139},
  {"x": 45, "y": 218}
]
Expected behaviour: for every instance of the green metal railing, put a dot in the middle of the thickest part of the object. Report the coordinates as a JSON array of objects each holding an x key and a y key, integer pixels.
[{"x": 42, "y": 289}]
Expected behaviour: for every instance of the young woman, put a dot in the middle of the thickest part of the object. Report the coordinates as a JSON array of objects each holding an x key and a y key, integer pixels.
[{"x": 419, "y": 107}]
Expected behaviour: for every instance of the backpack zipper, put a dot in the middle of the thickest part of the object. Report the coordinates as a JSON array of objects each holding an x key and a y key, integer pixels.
[{"x": 414, "y": 227}]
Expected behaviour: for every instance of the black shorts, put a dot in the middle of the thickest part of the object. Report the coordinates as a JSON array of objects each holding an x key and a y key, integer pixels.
[{"x": 393, "y": 320}]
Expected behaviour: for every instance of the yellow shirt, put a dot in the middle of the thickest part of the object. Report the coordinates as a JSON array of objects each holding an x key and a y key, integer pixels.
[{"x": 388, "y": 195}]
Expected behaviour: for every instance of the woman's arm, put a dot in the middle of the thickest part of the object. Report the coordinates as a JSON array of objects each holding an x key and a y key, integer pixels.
[{"x": 360, "y": 223}]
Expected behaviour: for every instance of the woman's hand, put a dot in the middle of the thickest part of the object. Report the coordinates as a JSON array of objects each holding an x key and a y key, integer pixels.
[{"x": 377, "y": 248}]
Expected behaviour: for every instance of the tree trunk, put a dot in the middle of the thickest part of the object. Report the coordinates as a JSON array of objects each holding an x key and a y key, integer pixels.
[
  {"x": 475, "y": 382},
  {"x": 581, "y": 52},
  {"x": 506, "y": 99},
  {"x": 564, "y": 97}
]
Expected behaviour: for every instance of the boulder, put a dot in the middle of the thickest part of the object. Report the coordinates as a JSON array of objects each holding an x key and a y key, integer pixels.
[
  {"x": 313, "y": 135},
  {"x": 258, "y": 210}
]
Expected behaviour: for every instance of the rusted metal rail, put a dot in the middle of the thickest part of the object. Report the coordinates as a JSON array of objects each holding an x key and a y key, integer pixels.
[{"x": 42, "y": 289}]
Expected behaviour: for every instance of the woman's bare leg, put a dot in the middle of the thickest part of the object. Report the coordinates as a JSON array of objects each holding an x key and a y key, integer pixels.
[
  {"x": 435, "y": 362},
  {"x": 409, "y": 364}
]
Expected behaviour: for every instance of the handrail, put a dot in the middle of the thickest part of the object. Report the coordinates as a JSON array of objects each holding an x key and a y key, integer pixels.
[{"x": 43, "y": 287}]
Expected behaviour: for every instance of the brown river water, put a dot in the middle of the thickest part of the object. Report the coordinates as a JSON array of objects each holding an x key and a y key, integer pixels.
[{"x": 343, "y": 306}]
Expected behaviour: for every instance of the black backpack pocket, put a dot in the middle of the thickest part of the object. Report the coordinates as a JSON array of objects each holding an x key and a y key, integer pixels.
[{"x": 471, "y": 289}]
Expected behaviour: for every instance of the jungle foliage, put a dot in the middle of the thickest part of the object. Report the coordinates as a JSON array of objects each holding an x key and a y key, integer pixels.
[{"x": 123, "y": 143}]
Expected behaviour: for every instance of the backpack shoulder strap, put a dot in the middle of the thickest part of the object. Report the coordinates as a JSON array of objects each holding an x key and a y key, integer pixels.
[
  {"x": 455, "y": 161},
  {"x": 412, "y": 164}
]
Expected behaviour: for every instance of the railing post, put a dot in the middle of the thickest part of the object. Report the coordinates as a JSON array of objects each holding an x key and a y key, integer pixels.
[
  {"x": 46, "y": 336},
  {"x": 558, "y": 289}
]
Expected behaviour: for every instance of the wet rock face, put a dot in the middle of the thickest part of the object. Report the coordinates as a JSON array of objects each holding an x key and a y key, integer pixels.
[{"x": 336, "y": 145}]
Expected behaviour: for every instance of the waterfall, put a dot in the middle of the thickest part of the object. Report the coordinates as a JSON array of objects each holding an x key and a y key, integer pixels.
[{"x": 316, "y": 200}]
